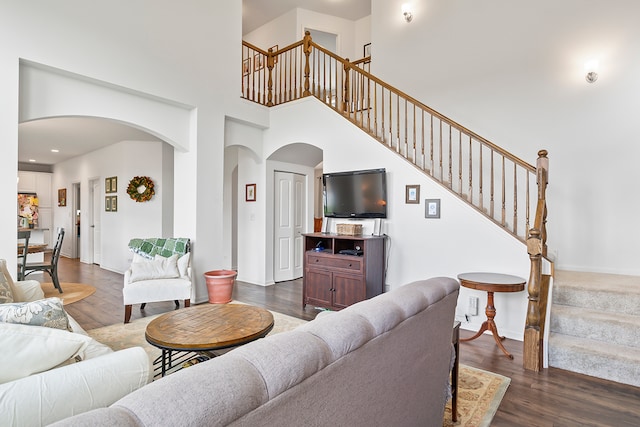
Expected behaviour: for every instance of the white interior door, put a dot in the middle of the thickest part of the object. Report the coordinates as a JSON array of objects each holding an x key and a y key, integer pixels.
[
  {"x": 94, "y": 228},
  {"x": 289, "y": 217}
]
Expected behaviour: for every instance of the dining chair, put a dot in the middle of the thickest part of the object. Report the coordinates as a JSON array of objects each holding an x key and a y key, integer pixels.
[
  {"x": 23, "y": 250},
  {"x": 50, "y": 267}
]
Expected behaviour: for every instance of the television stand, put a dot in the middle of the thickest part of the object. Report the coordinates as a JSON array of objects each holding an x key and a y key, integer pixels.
[{"x": 347, "y": 270}]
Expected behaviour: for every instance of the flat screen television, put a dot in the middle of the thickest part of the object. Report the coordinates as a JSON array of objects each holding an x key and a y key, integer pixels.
[{"x": 355, "y": 194}]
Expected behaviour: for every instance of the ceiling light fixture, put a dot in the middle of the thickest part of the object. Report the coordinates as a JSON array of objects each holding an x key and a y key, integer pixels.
[
  {"x": 55, "y": 150},
  {"x": 32, "y": 160},
  {"x": 406, "y": 12}
]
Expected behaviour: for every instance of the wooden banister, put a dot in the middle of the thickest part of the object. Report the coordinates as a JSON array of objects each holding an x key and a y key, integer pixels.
[{"x": 497, "y": 183}]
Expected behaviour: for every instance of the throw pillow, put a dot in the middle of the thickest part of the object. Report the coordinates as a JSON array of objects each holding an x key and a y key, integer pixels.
[
  {"x": 47, "y": 312},
  {"x": 158, "y": 268},
  {"x": 28, "y": 350},
  {"x": 5, "y": 290},
  {"x": 183, "y": 265}
]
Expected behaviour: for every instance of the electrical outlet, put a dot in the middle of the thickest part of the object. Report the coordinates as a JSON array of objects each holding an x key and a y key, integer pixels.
[{"x": 473, "y": 306}]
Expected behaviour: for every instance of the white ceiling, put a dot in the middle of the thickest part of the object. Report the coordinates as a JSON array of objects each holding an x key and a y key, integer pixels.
[
  {"x": 75, "y": 136},
  {"x": 72, "y": 136},
  {"x": 256, "y": 13}
]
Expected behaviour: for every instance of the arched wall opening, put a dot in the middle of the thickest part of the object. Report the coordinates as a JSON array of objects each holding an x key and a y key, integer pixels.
[{"x": 49, "y": 93}]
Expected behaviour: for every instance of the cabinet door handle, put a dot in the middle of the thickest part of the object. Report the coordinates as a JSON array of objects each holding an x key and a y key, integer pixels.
[{"x": 349, "y": 264}]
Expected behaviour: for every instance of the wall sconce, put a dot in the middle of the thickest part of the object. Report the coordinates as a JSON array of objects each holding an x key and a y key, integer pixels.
[
  {"x": 406, "y": 12},
  {"x": 591, "y": 68}
]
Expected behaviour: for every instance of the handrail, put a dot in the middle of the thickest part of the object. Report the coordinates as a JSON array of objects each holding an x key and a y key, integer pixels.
[{"x": 486, "y": 176}]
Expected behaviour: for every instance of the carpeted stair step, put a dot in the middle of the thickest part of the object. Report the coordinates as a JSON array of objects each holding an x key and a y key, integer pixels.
[
  {"x": 605, "y": 292},
  {"x": 604, "y": 326},
  {"x": 595, "y": 358}
]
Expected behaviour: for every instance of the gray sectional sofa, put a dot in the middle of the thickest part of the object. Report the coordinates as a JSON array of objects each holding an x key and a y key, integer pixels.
[{"x": 381, "y": 362}]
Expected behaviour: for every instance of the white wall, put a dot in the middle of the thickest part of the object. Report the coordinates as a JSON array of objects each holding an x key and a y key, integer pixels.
[
  {"x": 289, "y": 28},
  {"x": 166, "y": 50},
  {"x": 132, "y": 219},
  {"x": 418, "y": 248},
  {"x": 513, "y": 72}
]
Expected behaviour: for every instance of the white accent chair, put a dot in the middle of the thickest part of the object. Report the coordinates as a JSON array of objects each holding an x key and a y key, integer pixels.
[{"x": 156, "y": 280}]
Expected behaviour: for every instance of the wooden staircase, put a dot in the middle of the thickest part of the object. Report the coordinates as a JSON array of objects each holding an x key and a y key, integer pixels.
[{"x": 505, "y": 189}]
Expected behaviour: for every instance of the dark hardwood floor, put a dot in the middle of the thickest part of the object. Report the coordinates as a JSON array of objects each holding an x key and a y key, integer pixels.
[{"x": 551, "y": 398}]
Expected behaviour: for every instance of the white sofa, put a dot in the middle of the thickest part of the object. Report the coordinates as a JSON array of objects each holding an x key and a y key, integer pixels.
[{"x": 87, "y": 374}]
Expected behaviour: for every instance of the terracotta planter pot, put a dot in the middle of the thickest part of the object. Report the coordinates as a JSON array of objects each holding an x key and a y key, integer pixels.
[{"x": 220, "y": 285}]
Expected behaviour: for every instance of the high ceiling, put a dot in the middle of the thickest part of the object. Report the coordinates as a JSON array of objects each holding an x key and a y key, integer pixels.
[
  {"x": 256, "y": 13},
  {"x": 75, "y": 136}
]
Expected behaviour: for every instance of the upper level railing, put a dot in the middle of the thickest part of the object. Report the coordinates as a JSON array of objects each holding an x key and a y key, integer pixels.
[
  {"x": 504, "y": 188},
  {"x": 494, "y": 181}
]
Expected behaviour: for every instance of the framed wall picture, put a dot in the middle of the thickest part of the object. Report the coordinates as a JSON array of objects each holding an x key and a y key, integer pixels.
[
  {"x": 412, "y": 194},
  {"x": 274, "y": 48},
  {"x": 114, "y": 203},
  {"x": 107, "y": 204},
  {"x": 432, "y": 208},
  {"x": 246, "y": 67},
  {"x": 250, "y": 193},
  {"x": 62, "y": 197},
  {"x": 111, "y": 184},
  {"x": 258, "y": 61}
]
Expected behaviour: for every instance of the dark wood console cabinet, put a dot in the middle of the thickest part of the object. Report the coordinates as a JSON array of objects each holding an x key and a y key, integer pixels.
[{"x": 333, "y": 280}]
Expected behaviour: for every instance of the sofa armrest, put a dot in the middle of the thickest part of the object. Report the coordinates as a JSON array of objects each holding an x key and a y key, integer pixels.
[{"x": 44, "y": 398}]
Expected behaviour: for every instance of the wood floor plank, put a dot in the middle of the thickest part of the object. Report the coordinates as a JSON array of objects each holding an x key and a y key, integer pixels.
[{"x": 553, "y": 397}]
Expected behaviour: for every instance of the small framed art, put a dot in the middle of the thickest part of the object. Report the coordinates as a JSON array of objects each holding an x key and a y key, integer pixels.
[
  {"x": 258, "y": 61},
  {"x": 412, "y": 195},
  {"x": 107, "y": 204},
  {"x": 274, "y": 49},
  {"x": 62, "y": 197},
  {"x": 246, "y": 67},
  {"x": 432, "y": 208},
  {"x": 111, "y": 184},
  {"x": 114, "y": 203},
  {"x": 250, "y": 193}
]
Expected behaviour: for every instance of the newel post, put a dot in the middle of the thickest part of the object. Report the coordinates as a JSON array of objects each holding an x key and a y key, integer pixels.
[
  {"x": 532, "y": 351},
  {"x": 542, "y": 175},
  {"x": 307, "y": 69},
  {"x": 270, "y": 64},
  {"x": 345, "y": 97}
]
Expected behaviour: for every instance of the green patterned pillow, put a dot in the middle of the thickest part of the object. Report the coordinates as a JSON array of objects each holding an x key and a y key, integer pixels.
[
  {"x": 47, "y": 312},
  {"x": 5, "y": 290}
]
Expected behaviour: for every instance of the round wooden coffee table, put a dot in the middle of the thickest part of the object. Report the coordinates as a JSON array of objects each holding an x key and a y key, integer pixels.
[
  {"x": 205, "y": 328},
  {"x": 491, "y": 282}
]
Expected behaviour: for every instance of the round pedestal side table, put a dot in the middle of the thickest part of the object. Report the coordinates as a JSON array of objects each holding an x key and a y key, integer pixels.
[{"x": 491, "y": 282}]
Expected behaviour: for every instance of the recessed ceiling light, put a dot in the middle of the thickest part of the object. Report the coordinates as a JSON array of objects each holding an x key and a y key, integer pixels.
[
  {"x": 55, "y": 150},
  {"x": 32, "y": 160}
]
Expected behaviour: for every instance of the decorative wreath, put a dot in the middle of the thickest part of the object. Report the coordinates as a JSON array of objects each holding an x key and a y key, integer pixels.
[{"x": 139, "y": 183}]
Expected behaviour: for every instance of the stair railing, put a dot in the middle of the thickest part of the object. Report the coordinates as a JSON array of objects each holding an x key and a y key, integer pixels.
[
  {"x": 538, "y": 285},
  {"x": 494, "y": 181}
]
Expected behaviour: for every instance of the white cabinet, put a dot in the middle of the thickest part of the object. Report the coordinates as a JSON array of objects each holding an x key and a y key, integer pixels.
[
  {"x": 40, "y": 183},
  {"x": 27, "y": 182}
]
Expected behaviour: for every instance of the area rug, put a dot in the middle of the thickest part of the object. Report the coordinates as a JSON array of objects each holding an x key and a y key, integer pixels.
[
  {"x": 71, "y": 292},
  {"x": 479, "y": 392},
  {"x": 479, "y": 395},
  {"x": 123, "y": 335}
]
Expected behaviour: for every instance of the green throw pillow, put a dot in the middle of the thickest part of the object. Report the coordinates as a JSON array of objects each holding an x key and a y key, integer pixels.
[{"x": 47, "y": 312}]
